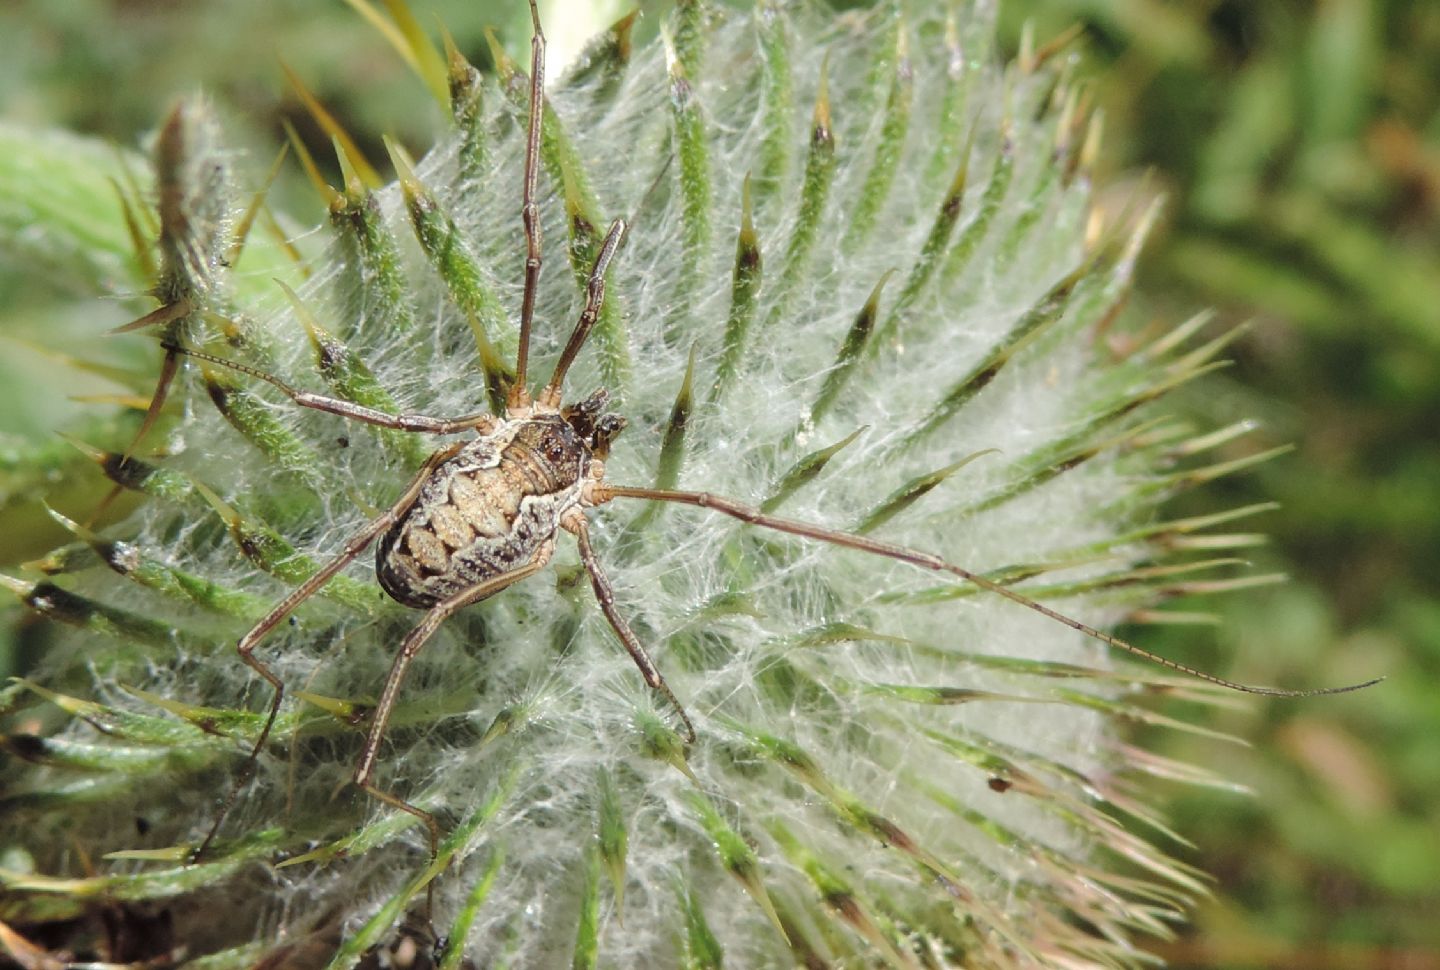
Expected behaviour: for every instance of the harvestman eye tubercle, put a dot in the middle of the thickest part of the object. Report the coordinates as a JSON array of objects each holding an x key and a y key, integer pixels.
[{"x": 485, "y": 512}]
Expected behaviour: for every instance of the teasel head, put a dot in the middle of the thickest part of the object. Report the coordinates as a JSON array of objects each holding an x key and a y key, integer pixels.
[{"x": 866, "y": 284}]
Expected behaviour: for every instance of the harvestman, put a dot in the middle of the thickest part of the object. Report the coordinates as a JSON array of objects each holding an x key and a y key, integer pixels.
[{"x": 483, "y": 513}]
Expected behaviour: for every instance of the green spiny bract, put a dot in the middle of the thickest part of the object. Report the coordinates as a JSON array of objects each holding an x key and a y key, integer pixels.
[{"x": 863, "y": 286}]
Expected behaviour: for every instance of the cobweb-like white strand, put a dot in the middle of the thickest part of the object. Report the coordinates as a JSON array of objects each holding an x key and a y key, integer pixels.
[{"x": 718, "y": 604}]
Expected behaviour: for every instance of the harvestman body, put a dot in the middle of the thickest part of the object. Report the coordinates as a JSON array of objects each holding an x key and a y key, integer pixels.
[{"x": 484, "y": 513}]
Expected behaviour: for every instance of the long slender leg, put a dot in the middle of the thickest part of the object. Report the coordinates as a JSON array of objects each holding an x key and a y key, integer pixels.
[
  {"x": 594, "y": 299},
  {"x": 606, "y": 596},
  {"x": 530, "y": 212},
  {"x": 480, "y": 421},
  {"x": 246, "y": 645},
  {"x": 414, "y": 640},
  {"x": 604, "y": 492}
]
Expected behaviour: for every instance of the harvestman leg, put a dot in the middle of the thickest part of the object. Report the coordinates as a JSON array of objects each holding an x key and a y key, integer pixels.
[
  {"x": 480, "y": 421},
  {"x": 606, "y": 596},
  {"x": 604, "y": 492},
  {"x": 519, "y": 395},
  {"x": 594, "y": 299},
  {"x": 530, "y": 212},
  {"x": 414, "y": 640},
  {"x": 246, "y": 645}
]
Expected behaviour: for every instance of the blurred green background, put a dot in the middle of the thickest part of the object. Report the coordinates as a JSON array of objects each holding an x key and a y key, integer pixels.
[{"x": 1298, "y": 144}]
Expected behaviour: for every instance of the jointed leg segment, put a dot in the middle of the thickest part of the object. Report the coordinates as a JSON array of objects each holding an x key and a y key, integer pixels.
[
  {"x": 604, "y": 492},
  {"x": 606, "y": 596},
  {"x": 417, "y": 638},
  {"x": 594, "y": 299},
  {"x": 247, "y": 644},
  {"x": 529, "y": 211},
  {"x": 480, "y": 421}
]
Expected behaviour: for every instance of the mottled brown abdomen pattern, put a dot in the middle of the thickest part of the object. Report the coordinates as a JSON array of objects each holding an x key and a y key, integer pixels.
[{"x": 484, "y": 512}]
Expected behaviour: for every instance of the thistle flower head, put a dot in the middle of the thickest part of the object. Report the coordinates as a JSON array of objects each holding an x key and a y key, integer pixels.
[{"x": 864, "y": 286}]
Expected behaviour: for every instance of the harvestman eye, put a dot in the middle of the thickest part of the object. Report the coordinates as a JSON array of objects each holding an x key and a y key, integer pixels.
[{"x": 552, "y": 457}]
